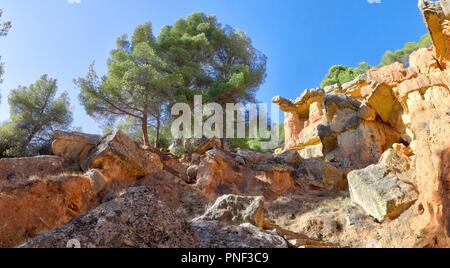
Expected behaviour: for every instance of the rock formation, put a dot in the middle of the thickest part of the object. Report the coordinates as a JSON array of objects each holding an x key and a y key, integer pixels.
[
  {"x": 353, "y": 125},
  {"x": 137, "y": 219},
  {"x": 365, "y": 164}
]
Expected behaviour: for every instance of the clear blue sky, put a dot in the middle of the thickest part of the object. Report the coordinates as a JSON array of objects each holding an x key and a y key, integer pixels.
[{"x": 302, "y": 38}]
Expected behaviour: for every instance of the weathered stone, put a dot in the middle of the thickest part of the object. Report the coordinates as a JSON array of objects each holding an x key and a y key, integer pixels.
[
  {"x": 15, "y": 171},
  {"x": 364, "y": 145},
  {"x": 255, "y": 157},
  {"x": 322, "y": 174},
  {"x": 219, "y": 173},
  {"x": 192, "y": 173},
  {"x": 381, "y": 194},
  {"x": 367, "y": 113},
  {"x": 291, "y": 157},
  {"x": 41, "y": 206},
  {"x": 215, "y": 234},
  {"x": 98, "y": 181},
  {"x": 437, "y": 18},
  {"x": 236, "y": 210},
  {"x": 395, "y": 161},
  {"x": 118, "y": 157},
  {"x": 137, "y": 219},
  {"x": 73, "y": 146}
]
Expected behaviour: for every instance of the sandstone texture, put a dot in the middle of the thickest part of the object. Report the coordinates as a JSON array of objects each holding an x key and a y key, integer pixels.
[
  {"x": 364, "y": 164},
  {"x": 136, "y": 219}
]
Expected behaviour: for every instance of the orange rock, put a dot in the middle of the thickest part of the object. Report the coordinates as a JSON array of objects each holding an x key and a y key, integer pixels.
[
  {"x": 118, "y": 157},
  {"x": 41, "y": 206},
  {"x": 16, "y": 171}
]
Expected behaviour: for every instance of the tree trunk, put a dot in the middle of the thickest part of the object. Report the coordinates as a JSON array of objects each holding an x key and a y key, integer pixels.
[
  {"x": 145, "y": 131},
  {"x": 158, "y": 129}
]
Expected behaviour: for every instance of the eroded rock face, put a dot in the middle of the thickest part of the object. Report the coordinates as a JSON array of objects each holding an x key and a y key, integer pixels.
[
  {"x": 380, "y": 193},
  {"x": 137, "y": 219},
  {"x": 236, "y": 210},
  {"x": 73, "y": 146},
  {"x": 41, "y": 206},
  {"x": 437, "y": 18},
  {"x": 15, "y": 171},
  {"x": 215, "y": 234},
  {"x": 121, "y": 158},
  {"x": 338, "y": 128}
]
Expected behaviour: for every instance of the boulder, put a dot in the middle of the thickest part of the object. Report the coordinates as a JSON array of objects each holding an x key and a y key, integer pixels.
[
  {"x": 380, "y": 193},
  {"x": 41, "y": 206},
  {"x": 216, "y": 234},
  {"x": 321, "y": 174},
  {"x": 236, "y": 210},
  {"x": 291, "y": 157},
  {"x": 73, "y": 146},
  {"x": 119, "y": 157},
  {"x": 254, "y": 157},
  {"x": 137, "y": 219}
]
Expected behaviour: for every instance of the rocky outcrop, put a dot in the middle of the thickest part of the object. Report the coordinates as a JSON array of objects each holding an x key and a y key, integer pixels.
[
  {"x": 380, "y": 193},
  {"x": 215, "y": 234},
  {"x": 15, "y": 171},
  {"x": 321, "y": 175},
  {"x": 437, "y": 18},
  {"x": 337, "y": 128},
  {"x": 121, "y": 158},
  {"x": 236, "y": 210},
  {"x": 43, "y": 205},
  {"x": 73, "y": 146},
  {"x": 391, "y": 127},
  {"x": 137, "y": 219},
  {"x": 220, "y": 173}
]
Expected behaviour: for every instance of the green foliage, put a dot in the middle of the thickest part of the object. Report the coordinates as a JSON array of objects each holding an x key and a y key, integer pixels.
[
  {"x": 138, "y": 84},
  {"x": 4, "y": 29},
  {"x": 255, "y": 144},
  {"x": 340, "y": 74},
  {"x": 217, "y": 62},
  {"x": 402, "y": 55},
  {"x": 132, "y": 128},
  {"x": 195, "y": 56},
  {"x": 36, "y": 112}
]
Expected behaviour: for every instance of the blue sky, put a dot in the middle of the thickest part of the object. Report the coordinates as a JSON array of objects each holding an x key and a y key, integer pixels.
[{"x": 302, "y": 38}]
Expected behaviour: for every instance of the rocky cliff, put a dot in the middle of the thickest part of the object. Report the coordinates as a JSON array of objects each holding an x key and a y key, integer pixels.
[
  {"x": 365, "y": 164},
  {"x": 390, "y": 128}
]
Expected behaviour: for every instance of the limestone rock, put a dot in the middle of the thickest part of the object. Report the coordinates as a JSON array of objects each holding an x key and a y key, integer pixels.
[
  {"x": 136, "y": 219},
  {"x": 380, "y": 193},
  {"x": 236, "y": 210},
  {"x": 215, "y": 234},
  {"x": 118, "y": 157},
  {"x": 73, "y": 146}
]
